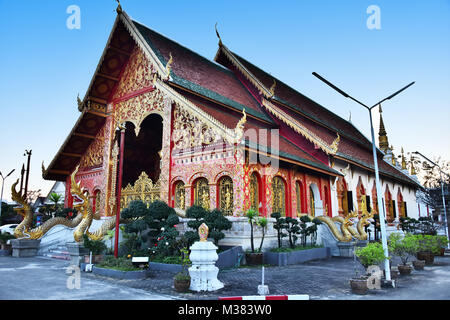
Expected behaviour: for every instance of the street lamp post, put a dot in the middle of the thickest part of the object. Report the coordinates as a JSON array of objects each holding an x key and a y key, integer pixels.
[
  {"x": 442, "y": 190},
  {"x": 375, "y": 162},
  {"x": 3, "y": 183}
]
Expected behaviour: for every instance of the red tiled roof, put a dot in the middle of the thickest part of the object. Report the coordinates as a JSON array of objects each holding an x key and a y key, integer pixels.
[
  {"x": 193, "y": 71},
  {"x": 230, "y": 119},
  {"x": 323, "y": 123}
]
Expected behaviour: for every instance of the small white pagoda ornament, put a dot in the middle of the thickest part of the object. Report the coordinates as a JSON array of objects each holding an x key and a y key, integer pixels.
[{"x": 203, "y": 256}]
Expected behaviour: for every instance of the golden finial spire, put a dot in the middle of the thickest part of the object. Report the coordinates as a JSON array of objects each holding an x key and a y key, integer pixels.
[
  {"x": 413, "y": 170},
  {"x": 382, "y": 135},
  {"x": 394, "y": 162},
  {"x": 403, "y": 161}
]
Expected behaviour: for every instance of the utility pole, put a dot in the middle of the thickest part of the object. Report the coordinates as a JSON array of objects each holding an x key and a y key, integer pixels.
[
  {"x": 381, "y": 212},
  {"x": 27, "y": 153}
]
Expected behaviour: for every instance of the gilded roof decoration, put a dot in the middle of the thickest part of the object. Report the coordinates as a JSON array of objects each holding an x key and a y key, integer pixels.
[
  {"x": 189, "y": 131},
  {"x": 136, "y": 74},
  {"x": 94, "y": 154},
  {"x": 299, "y": 128},
  {"x": 136, "y": 109}
]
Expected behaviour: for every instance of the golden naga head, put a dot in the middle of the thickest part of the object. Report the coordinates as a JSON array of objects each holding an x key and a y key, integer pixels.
[
  {"x": 77, "y": 191},
  {"x": 348, "y": 219},
  {"x": 17, "y": 197}
]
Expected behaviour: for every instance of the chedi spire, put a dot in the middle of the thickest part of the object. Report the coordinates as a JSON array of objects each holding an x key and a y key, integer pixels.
[{"x": 382, "y": 135}]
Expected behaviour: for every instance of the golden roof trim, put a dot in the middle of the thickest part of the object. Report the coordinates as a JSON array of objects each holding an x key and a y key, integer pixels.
[{"x": 299, "y": 128}]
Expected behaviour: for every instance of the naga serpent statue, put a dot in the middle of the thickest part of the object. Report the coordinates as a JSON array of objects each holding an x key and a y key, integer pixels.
[
  {"x": 81, "y": 222},
  {"x": 347, "y": 232},
  {"x": 23, "y": 229},
  {"x": 344, "y": 235}
]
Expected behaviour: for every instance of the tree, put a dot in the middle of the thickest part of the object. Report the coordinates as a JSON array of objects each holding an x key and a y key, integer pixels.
[
  {"x": 292, "y": 228},
  {"x": 430, "y": 176},
  {"x": 8, "y": 214},
  {"x": 279, "y": 225},
  {"x": 262, "y": 223},
  {"x": 136, "y": 213},
  {"x": 55, "y": 198},
  {"x": 251, "y": 215},
  {"x": 216, "y": 222},
  {"x": 214, "y": 219},
  {"x": 161, "y": 220}
]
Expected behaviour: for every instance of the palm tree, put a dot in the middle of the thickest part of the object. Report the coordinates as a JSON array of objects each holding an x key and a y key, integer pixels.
[{"x": 55, "y": 198}]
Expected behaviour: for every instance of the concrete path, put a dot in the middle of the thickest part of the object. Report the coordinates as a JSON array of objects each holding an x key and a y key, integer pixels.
[
  {"x": 49, "y": 279},
  {"x": 43, "y": 278}
]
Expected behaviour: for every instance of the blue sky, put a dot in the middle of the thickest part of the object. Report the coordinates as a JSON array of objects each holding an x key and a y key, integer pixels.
[{"x": 44, "y": 65}]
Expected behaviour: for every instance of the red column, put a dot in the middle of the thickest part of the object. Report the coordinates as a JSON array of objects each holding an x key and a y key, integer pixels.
[{"x": 119, "y": 189}]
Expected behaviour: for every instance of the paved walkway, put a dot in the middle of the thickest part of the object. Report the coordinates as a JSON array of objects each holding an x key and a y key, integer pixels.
[
  {"x": 40, "y": 278},
  {"x": 47, "y": 279},
  {"x": 322, "y": 280}
]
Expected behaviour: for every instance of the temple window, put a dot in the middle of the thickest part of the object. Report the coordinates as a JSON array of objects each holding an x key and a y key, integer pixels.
[
  {"x": 201, "y": 193},
  {"x": 226, "y": 195},
  {"x": 389, "y": 206},
  {"x": 327, "y": 207},
  {"x": 298, "y": 196},
  {"x": 180, "y": 195},
  {"x": 278, "y": 195},
  {"x": 311, "y": 202},
  {"x": 254, "y": 191}
]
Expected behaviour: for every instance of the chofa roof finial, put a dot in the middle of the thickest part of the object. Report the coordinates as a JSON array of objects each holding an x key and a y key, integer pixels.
[
  {"x": 119, "y": 7},
  {"x": 218, "y": 35}
]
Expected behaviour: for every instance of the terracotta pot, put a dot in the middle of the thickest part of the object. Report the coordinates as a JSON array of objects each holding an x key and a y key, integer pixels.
[
  {"x": 404, "y": 269},
  {"x": 182, "y": 285},
  {"x": 427, "y": 256},
  {"x": 418, "y": 264},
  {"x": 254, "y": 259},
  {"x": 359, "y": 286}
]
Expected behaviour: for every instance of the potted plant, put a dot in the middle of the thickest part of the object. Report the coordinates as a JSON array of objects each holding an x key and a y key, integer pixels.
[
  {"x": 442, "y": 243},
  {"x": 427, "y": 247},
  {"x": 370, "y": 255},
  {"x": 182, "y": 280},
  {"x": 97, "y": 247},
  {"x": 253, "y": 257},
  {"x": 404, "y": 248}
]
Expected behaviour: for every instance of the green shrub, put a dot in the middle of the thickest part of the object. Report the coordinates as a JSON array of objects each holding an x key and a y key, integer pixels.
[
  {"x": 214, "y": 219},
  {"x": 442, "y": 241},
  {"x": 95, "y": 246},
  {"x": 372, "y": 254},
  {"x": 120, "y": 263},
  {"x": 279, "y": 225},
  {"x": 428, "y": 243},
  {"x": 4, "y": 237},
  {"x": 161, "y": 221},
  {"x": 403, "y": 247}
]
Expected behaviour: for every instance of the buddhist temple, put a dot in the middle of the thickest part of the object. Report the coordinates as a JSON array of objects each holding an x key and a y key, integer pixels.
[{"x": 219, "y": 133}]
